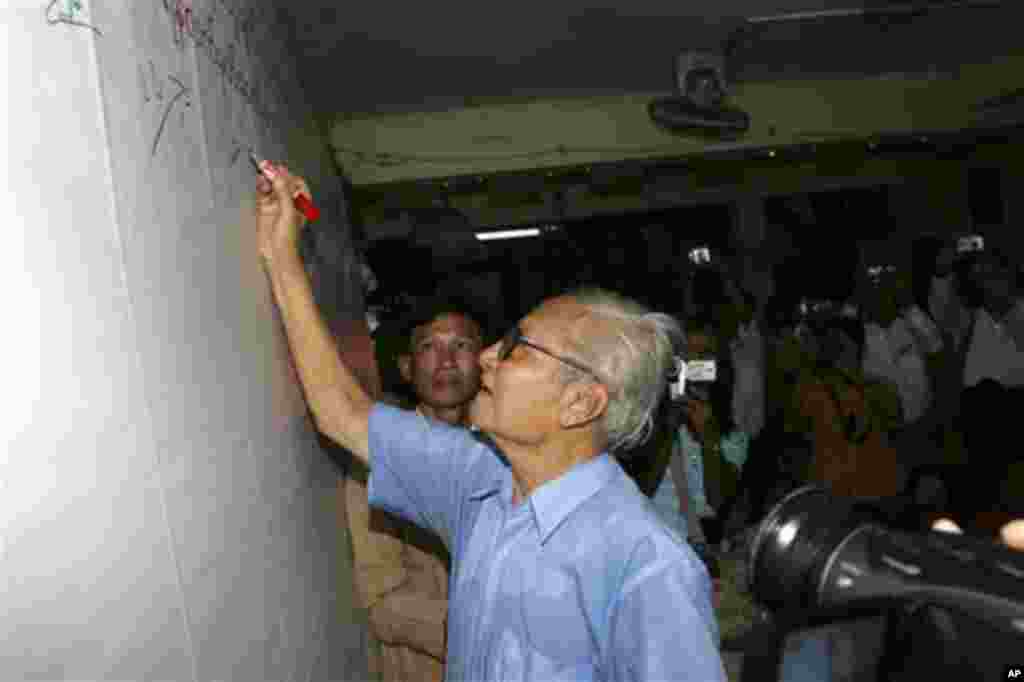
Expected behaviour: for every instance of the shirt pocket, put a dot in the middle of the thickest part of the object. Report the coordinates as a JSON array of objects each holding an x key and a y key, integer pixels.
[
  {"x": 557, "y": 628},
  {"x": 519, "y": 662}
]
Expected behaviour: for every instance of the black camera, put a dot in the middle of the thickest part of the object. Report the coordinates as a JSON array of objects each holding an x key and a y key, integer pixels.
[{"x": 814, "y": 554}]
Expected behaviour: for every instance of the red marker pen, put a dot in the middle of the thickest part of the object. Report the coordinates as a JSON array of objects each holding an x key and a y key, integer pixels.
[{"x": 302, "y": 202}]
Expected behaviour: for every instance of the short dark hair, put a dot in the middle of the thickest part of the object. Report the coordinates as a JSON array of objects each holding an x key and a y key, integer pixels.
[
  {"x": 707, "y": 287},
  {"x": 969, "y": 289},
  {"x": 852, "y": 327},
  {"x": 438, "y": 306}
]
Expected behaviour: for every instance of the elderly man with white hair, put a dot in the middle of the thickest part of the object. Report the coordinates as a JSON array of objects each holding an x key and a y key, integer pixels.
[{"x": 561, "y": 569}]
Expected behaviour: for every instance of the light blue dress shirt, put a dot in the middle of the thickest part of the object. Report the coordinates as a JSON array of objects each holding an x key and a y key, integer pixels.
[{"x": 581, "y": 581}]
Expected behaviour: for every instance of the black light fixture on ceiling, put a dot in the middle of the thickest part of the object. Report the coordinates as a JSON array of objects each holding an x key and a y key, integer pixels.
[{"x": 699, "y": 106}]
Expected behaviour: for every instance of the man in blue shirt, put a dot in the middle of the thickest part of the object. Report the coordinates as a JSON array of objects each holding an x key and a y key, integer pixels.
[{"x": 561, "y": 569}]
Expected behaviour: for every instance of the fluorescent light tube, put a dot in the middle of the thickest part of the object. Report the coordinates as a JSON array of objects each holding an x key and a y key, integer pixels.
[{"x": 508, "y": 234}]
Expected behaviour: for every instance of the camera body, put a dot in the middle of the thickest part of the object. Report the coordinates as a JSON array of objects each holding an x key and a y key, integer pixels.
[
  {"x": 686, "y": 374},
  {"x": 700, "y": 255},
  {"x": 814, "y": 555},
  {"x": 973, "y": 243}
]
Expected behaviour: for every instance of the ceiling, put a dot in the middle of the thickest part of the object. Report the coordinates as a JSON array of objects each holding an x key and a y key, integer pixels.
[
  {"x": 382, "y": 62},
  {"x": 391, "y": 56}
]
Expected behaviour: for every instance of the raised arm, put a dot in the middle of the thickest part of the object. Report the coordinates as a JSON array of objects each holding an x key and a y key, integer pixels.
[{"x": 340, "y": 406}]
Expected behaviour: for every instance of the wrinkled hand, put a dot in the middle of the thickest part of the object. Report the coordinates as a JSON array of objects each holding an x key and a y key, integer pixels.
[
  {"x": 279, "y": 224},
  {"x": 1012, "y": 533}
]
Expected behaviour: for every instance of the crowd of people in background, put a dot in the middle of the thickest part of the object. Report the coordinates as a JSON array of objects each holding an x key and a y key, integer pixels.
[{"x": 903, "y": 393}]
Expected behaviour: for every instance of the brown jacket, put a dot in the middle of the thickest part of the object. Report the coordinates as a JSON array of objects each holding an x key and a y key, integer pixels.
[{"x": 401, "y": 574}]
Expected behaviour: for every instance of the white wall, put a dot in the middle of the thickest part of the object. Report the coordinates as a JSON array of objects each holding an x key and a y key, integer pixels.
[{"x": 165, "y": 511}]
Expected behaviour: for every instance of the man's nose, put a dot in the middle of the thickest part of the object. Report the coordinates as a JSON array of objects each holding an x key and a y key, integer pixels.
[{"x": 447, "y": 355}]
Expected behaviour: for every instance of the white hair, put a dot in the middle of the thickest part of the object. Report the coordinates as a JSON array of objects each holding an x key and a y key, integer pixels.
[{"x": 633, "y": 355}]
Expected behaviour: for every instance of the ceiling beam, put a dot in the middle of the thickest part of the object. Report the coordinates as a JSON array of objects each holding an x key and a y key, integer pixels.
[{"x": 552, "y": 134}]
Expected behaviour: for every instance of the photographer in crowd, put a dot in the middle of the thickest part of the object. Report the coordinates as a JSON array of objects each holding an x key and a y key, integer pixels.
[{"x": 976, "y": 300}]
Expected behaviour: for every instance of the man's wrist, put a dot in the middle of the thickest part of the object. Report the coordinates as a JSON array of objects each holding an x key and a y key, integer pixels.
[{"x": 281, "y": 255}]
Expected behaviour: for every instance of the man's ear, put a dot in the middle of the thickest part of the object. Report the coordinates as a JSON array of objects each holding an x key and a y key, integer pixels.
[
  {"x": 583, "y": 403},
  {"x": 405, "y": 367}
]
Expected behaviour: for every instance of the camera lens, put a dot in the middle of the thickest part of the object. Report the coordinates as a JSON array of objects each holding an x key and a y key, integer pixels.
[{"x": 793, "y": 544}]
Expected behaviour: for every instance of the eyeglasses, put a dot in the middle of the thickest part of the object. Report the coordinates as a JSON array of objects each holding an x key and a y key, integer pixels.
[{"x": 514, "y": 336}]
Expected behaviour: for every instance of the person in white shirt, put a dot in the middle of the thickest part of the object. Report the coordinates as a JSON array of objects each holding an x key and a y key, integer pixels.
[
  {"x": 997, "y": 349},
  {"x": 976, "y": 299},
  {"x": 895, "y": 351},
  {"x": 980, "y": 306}
]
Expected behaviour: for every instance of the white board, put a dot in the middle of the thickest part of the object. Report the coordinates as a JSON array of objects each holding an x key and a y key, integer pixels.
[{"x": 165, "y": 511}]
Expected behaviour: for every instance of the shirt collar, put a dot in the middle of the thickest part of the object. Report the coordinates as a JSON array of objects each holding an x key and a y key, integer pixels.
[{"x": 553, "y": 502}]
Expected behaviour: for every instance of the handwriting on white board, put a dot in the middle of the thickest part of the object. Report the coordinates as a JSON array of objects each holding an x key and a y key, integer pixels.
[
  {"x": 70, "y": 12},
  {"x": 238, "y": 148},
  {"x": 228, "y": 51},
  {"x": 261, "y": 93},
  {"x": 182, "y": 19},
  {"x": 169, "y": 93}
]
